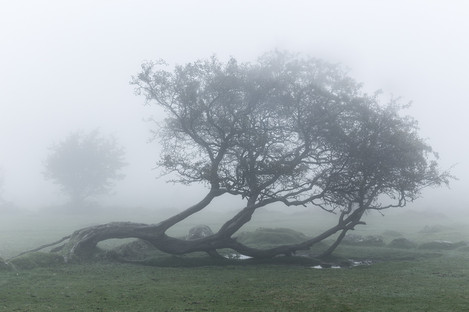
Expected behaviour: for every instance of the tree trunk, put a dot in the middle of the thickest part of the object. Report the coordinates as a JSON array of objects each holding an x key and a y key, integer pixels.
[
  {"x": 82, "y": 244},
  {"x": 331, "y": 249}
]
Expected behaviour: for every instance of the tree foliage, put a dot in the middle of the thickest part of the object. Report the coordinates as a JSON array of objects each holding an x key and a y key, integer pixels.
[
  {"x": 85, "y": 165},
  {"x": 286, "y": 129}
]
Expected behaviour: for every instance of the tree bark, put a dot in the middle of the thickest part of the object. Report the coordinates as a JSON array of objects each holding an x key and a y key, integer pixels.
[{"x": 82, "y": 244}]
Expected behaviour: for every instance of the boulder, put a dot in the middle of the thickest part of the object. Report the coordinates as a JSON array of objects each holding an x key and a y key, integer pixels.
[
  {"x": 199, "y": 231},
  {"x": 402, "y": 243},
  {"x": 137, "y": 250},
  {"x": 431, "y": 229},
  {"x": 442, "y": 245},
  {"x": 359, "y": 240},
  {"x": 439, "y": 244}
]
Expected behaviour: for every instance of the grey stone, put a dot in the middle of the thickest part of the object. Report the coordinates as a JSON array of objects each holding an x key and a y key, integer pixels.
[
  {"x": 402, "y": 243},
  {"x": 199, "y": 231},
  {"x": 359, "y": 240}
]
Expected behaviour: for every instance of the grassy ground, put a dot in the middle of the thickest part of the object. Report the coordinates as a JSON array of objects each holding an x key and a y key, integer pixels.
[
  {"x": 438, "y": 284},
  {"x": 398, "y": 280}
]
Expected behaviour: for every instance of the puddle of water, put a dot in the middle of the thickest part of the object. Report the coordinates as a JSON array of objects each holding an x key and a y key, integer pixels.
[
  {"x": 353, "y": 263},
  {"x": 362, "y": 262},
  {"x": 237, "y": 256}
]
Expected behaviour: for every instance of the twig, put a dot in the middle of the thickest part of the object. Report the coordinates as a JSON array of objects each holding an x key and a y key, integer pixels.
[{"x": 40, "y": 247}]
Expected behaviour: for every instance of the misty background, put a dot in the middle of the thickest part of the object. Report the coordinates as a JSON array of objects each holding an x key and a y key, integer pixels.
[{"x": 66, "y": 66}]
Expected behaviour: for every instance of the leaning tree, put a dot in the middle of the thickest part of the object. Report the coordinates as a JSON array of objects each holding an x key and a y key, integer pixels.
[{"x": 287, "y": 130}]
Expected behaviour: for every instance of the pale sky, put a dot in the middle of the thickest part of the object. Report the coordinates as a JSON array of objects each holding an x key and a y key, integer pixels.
[{"x": 66, "y": 66}]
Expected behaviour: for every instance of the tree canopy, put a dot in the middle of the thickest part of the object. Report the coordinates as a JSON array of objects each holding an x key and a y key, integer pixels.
[
  {"x": 85, "y": 165},
  {"x": 285, "y": 129}
]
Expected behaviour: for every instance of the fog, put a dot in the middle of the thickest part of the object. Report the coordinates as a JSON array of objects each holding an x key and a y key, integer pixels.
[{"x": 66, "y": 66}]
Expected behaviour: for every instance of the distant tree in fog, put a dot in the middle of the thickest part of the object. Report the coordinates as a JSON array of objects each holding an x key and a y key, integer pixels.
[
  {"x": 85, "y": 165},
  {"x": 283, "y": 130}
]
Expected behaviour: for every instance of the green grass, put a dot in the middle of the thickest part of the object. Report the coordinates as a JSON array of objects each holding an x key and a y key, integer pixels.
[
  {"x": 437, "y": 284},
  {"x": 399, "y": 279}
]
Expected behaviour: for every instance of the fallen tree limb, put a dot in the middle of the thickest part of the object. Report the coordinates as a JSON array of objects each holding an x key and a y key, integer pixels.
[{"x": 40, "y": 247}]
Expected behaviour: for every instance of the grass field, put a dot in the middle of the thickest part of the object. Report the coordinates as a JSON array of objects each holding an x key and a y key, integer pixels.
[
  {"x": 398, "y": 279},
  {"x": 438, "y": 284}
]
